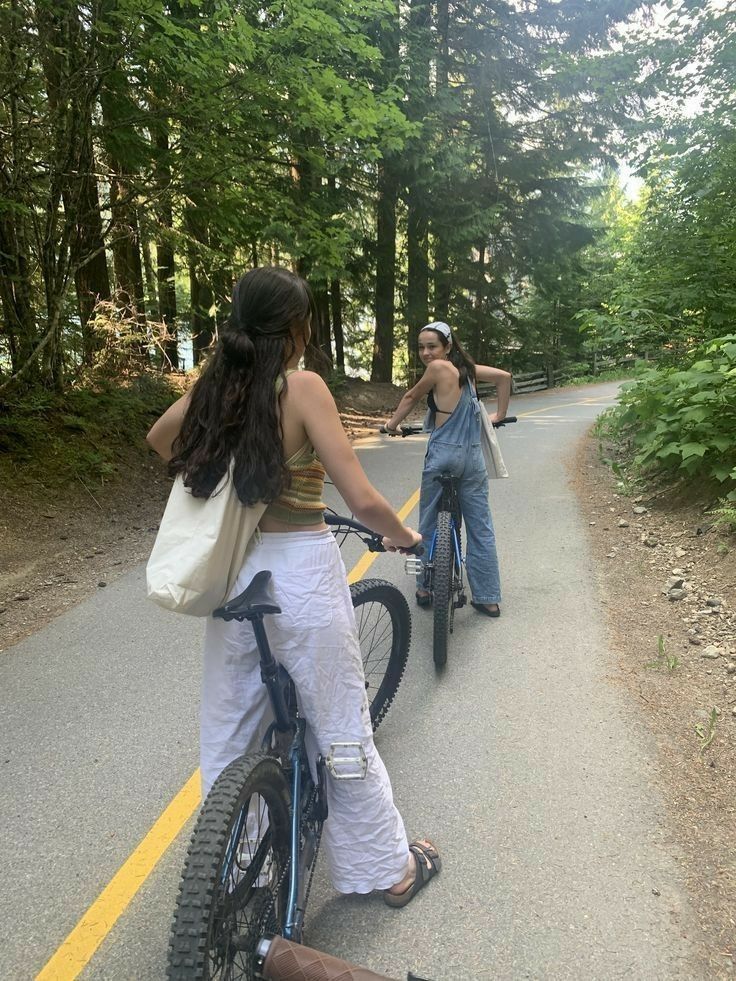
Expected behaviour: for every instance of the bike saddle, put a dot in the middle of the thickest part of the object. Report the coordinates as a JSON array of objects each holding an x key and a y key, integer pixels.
[{"x": 256, "y": 599}]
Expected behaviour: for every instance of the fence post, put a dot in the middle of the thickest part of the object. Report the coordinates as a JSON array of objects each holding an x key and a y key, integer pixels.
[{"x": 550, "y": 376}]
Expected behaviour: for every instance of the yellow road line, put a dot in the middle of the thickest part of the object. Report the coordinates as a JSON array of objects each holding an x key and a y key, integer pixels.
[
  {"x": 367, "y": 560},
  {"x": 552, "y": 408},
  {"x": 77, "y": 950}
]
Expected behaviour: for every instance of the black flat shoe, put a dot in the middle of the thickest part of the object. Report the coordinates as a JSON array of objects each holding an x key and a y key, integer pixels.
[
  {"x": 483, "y": 608},
  {"x": 423, "y": 599}
]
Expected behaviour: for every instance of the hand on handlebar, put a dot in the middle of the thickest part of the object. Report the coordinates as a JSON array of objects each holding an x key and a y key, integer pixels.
[
  {"x": 389, "y": 432},
  {"x": 389, "y": 545}
]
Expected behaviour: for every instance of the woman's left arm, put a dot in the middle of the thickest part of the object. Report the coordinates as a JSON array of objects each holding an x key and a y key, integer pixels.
[
  {"x": 164, "y": 431},
  {"x": 502, "y": 380},
  {"x": 423, "y": 387}
]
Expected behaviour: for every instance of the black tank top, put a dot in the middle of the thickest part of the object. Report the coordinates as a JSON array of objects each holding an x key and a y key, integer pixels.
[{"x": 432, "y": 405}]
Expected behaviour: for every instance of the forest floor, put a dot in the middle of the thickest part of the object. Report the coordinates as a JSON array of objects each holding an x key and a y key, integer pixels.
[{"x": 667, "y": 583}]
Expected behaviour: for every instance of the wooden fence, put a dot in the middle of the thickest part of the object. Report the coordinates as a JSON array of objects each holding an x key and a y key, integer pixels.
[{"x": 536, "y": 381}]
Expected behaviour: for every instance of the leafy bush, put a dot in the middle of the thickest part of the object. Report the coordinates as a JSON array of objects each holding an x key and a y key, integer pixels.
[{"x": 684, "y": 419}]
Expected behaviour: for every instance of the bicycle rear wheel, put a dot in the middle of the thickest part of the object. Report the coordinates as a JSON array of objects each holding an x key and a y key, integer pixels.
[
  {"x": 234, "y": 887},
  {"x": 443, "y": 562},
  {"x": 384, "y": 629}
]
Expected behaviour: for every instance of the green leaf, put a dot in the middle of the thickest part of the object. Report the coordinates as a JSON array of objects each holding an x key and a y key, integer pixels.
[{"x": 693, "y": 449}]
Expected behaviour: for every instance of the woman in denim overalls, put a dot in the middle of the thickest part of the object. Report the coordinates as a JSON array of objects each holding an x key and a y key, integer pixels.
[{"x": 454, "y": 447}]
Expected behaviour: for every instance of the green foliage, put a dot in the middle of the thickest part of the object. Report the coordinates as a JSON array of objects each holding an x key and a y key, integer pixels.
[
  {"x": 581, "y": 375},
  {"x": 88, "y": 433},
  {"x": 726, "y": 517},
  {"x": 664, "y": 659},
  {"x": 706, "y": 733},
  {"x": 682, "y": 419}
]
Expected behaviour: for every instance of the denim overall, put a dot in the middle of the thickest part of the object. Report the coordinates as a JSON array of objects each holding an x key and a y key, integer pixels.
[{"x": 455, "y": 448}]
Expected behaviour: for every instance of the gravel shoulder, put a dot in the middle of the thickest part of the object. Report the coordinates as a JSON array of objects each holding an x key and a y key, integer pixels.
[{"x": 667, "y": 581}]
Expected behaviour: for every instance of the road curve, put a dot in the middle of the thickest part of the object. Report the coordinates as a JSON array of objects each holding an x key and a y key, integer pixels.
[{"x": 524, "y": 761}]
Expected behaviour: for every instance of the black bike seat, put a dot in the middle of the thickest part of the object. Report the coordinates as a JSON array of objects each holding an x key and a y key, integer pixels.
[{"x": 256, "y": 599}]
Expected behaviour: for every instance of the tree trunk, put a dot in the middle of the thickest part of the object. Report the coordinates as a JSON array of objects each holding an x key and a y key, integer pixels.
[
  {"x": 417, "y": 288},
  {"x": 478, "y": 305},
  {"x": 419, "y": 50},
  {"x": 383, "y": 345},
  {"x": 442, "y": 194},
  {"x": 321, "y": 329},
  {"x": 15, "y": 293},
  {"x": 91, "y": 277},
  {"x": 337, "y": 328},
  {"x": 441, "y": 276},
  {"x": 151, "y": 280},
  {"x": 126, "y": 252},
  {"x": 166, "y": 276}
]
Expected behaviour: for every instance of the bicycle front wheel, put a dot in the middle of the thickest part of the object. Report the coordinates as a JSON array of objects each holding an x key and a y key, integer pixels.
[
  {"x": 443, "y": 562},
  {"x": 234, "y": 888},
  {"x": 384, "y": 630}
]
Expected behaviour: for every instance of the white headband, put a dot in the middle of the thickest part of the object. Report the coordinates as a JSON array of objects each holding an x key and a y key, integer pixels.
[{"x": 441, "y": 328}]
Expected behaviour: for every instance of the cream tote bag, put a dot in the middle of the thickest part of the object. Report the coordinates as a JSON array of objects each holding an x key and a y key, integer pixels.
[
  {"x": 200, "y": 548},
  {"x": 489, "y": 441}
]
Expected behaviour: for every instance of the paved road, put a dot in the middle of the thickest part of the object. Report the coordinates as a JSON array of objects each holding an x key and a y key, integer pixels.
[{"x": 523, "y": 760}]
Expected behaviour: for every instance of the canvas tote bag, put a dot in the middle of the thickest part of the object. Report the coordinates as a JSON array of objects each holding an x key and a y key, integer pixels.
[
  {"x": 488, "y": 440},
  {"x": 200, "y": 548}
]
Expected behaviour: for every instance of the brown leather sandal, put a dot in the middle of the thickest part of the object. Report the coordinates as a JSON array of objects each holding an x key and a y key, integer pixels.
[{"x": 427, "y": 864}]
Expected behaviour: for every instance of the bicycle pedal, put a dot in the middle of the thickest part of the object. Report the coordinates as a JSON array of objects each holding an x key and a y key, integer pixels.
[
  {"x": 461, "y": 601},
  {"x": 413, "y": 566},
  {"x": 347, "y": 761}
]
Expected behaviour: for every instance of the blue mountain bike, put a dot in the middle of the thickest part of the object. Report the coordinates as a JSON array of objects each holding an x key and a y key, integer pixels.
[
  {"x": 443, "y": 568},
  {"x": 254, "y": 847}
]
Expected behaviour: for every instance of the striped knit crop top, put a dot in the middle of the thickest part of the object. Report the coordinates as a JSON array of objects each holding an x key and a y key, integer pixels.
[{"x": 301, "y": 502}]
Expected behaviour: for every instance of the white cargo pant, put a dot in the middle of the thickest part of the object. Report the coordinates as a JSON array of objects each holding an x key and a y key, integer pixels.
[{"x": 315, "y": 639}]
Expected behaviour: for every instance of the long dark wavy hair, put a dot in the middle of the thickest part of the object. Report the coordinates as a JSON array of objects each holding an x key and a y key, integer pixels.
[
  {"x": 234, "y": 409},
  {"x": 457, "y": 356}
]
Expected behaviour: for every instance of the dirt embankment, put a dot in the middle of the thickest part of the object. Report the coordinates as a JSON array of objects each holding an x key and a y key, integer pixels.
[{"x": 667, "y": 579}]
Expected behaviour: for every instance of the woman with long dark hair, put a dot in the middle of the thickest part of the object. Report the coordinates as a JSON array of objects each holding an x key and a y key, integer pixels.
[
  {"x": 281, "y": 429},
  {"x": 454, "y": 447}
]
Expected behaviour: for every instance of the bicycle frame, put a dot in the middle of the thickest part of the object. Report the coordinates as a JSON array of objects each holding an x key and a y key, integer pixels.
[
  {"x": 285, "y": 738},
  {"x": 278, "y": 685}
]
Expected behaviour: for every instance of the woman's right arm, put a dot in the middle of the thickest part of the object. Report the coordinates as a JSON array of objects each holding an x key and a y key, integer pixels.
[
  {"x": 502, "y": 380},
  {"x": 325, "y": 431},
  {"x": 164, "y": 431}
]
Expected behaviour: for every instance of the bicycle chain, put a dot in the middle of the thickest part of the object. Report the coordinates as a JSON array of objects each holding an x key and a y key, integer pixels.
[
  {"x": 315, "y": 791},
  {"x": 287, "y": 865}
]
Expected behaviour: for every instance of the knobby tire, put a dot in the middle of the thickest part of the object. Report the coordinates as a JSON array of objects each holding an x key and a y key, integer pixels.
[
  {"x": 443, "y": 563},
  {"x": 384, "y": 629},
  {"x": 251, "y": 900}
]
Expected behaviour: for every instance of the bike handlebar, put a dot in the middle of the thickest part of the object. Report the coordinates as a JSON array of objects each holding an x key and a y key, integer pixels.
[
  {"x": 286, "y": 960},
  {"x": 281, "y": 960},
  {"x": 416, "y": 429},
  {"x": 372, "y": 539}
]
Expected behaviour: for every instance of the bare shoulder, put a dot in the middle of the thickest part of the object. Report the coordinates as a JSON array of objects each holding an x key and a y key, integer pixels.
[
  {"x": 308, "y": 383},
  {"x": 310, "y": 395},
  {"x": 440, "y": 370}
]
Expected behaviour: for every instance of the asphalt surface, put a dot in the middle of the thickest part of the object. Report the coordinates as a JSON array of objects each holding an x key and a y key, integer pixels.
[{"x": 523, "y": 761}]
